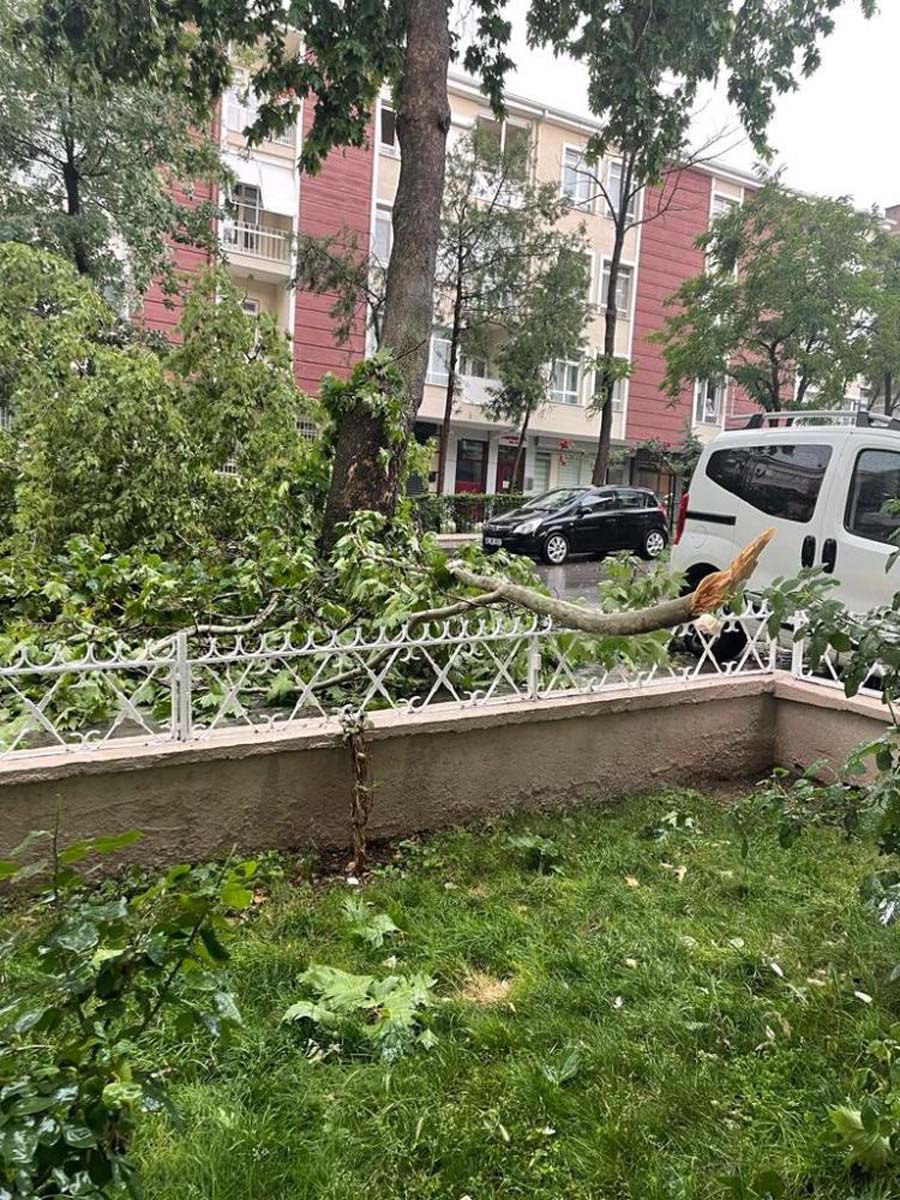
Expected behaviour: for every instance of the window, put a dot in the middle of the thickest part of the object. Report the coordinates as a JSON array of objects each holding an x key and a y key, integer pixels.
[
  {"x": 250, "y": 305},
  {"x": 709, "y": 401},
  {"x": 387, "y": 130},
  {"x": 614, "y": 182},
  {"x": 241, "y": 104},
  {"x": 384, "y": 234},
  {"x": 618, "y": 396},
  {"x": 577, "y": 182},
  {"x": 564, "y": 386},
  {"x": 505, "y": 135},
  {"x": 474, "y": 367},
  {"x": 439, "y": 357},
  {"x": 876, "y": 479},
  {"x": 779, "y": 480},
  {"x": 307, "y": 429},
  {"x": 248, "y": 200},
  {"x": 471, "y": 460},
  {"x": 721, "y": 205},
  {"x": 631, "y": 500},
  {"x": 727, "y": 468},
  {"x": 623, "y": 289}
]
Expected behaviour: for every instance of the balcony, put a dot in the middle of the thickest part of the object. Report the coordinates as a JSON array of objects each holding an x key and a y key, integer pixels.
[{"x": 268, "y": 246}]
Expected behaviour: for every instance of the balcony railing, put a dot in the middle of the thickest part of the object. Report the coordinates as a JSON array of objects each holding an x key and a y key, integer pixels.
[{"x": 257, "y": 241}]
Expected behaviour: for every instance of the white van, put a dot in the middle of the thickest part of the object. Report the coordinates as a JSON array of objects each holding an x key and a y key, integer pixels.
[{"x": 820, "y": 479}]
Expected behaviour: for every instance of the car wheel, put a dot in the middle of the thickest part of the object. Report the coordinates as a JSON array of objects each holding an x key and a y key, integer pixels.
[
  {"x": 654, "y": 544},
  {"x": 556, "y": 550}
]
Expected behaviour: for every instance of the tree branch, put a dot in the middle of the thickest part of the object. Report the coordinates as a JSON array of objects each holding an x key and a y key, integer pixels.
[{"x": 711, "y": 594}]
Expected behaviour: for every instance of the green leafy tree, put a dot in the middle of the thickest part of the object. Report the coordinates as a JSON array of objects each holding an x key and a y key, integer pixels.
[
  {"x": 549, "y": 324},
  {"x": 783, "y": 309},
  {"x": 646, "y": 62},
  {"x": 88, "y": 171},
  {"x": 350, "y": 49},
  {"x": 500, "y": 245},
  {"x": 882, "y": 362},
  {"x": 113, "y": 438}
]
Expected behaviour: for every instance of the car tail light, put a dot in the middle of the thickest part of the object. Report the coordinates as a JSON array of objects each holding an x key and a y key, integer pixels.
[{"x": 682, "y": 516}]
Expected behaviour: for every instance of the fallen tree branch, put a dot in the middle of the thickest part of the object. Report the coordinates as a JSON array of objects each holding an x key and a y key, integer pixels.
[{"x": 710, "y": 594}]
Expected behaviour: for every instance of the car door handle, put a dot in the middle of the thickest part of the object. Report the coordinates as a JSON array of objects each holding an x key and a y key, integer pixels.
[
  {"x": 829, "y": 555},
  {"x": 808, "y": 551}
]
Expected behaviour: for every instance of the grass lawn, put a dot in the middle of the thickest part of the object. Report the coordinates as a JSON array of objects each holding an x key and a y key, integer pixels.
[{"x": 622, "y": 1028}]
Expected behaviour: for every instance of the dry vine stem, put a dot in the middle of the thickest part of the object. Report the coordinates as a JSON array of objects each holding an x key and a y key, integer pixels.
[
  {"x": 710, "y": 594},
  {"x": 361, "y": 794}
]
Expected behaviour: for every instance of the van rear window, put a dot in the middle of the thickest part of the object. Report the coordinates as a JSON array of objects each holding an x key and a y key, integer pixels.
[{"x": 779, "y": 480}]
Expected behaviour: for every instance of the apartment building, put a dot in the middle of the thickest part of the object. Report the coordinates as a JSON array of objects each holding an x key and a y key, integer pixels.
[{"x": 355, "y": 192}]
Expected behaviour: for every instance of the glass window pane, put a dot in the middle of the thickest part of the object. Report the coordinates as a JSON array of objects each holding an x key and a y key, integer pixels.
[
  {"x": 876, "y": 479},
  {"x": 388, "y": 131},
  {"x": 784, "y": 481}
]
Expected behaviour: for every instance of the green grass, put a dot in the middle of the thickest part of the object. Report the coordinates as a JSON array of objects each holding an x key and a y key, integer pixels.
[{"x": 702, "y": 1046}]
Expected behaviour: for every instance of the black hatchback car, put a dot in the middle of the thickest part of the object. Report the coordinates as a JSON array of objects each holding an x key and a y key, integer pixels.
[{"x": 582, "y": 521}]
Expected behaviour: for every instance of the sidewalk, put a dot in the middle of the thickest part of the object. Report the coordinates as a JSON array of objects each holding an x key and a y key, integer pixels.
[{"x": 448, "y": 540}]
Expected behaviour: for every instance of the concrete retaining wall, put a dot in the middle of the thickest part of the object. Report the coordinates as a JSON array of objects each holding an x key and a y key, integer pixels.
[{"x": 284, "y": 790}]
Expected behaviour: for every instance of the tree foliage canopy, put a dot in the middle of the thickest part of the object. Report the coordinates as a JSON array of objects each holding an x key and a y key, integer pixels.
[
  {"x": 88, "y": 165},
  {"x": 784, "y": 307}
]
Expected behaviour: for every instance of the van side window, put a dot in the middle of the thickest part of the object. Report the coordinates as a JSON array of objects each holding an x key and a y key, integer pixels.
[
  {"x": 727, "y": 467},
  {"x": 785, "y": 481},
  {"x": 779, "y": 480},
  {"x": 876, "y": 478}
]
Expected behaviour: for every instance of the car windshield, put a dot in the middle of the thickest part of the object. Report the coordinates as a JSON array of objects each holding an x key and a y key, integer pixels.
[{"x": 553, "y": 500}]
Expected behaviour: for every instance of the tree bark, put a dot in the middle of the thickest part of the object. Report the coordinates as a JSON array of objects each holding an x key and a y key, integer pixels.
[
  {"x": 607, "y": 383},
  {"x": 359, "y": 480},
  {"x": 520, "y": 449},
  {"x": 451, "y": 377},
  {"x": 711, "y": 593},
  {"x": 72, "y": 184}
]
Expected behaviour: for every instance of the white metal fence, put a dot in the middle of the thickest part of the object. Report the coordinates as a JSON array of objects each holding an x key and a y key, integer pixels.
[{"x": 194, "y": 689}]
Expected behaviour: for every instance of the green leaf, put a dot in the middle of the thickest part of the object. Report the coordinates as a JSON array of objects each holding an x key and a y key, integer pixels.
[
  {"x": 79, "y": 1137},
  {"x": 214, "y": 947}
]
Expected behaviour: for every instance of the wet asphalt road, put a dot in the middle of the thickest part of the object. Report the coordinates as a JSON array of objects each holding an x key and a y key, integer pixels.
[{"x": 574, "y": 580}]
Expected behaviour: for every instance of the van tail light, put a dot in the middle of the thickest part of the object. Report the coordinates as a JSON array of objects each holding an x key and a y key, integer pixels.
[{"x": 682, "y": 516}]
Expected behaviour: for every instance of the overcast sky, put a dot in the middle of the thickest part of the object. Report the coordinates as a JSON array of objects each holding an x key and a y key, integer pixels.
[{"x": 835, "y": 135}]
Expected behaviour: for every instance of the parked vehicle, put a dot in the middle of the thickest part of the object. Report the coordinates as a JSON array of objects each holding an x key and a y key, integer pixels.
[
  {"x": 582, "y": 521},
  {"x": 820, "y": 479}
]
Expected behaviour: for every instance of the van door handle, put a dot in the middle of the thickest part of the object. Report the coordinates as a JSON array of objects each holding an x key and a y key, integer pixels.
[
  {"x": 829, "y": 555},
  {"x": 808, "y": 551}
]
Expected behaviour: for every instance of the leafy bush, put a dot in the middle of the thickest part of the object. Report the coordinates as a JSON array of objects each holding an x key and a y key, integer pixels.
[
  {"x": 94, "y": 973},
  {"x": 869, "y": 1132},
  {"x": 381, "y": 1014}
]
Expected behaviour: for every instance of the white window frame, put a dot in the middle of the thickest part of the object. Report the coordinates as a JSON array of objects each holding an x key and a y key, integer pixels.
[
  {"x": 468, "y": 361},
  {"x": 383, "y": 211},
  {"x": 558, "y": 395},
  {"x": 701, "y": 398},
  {"x": 634, "y": 209},
  {"x": 623, "y": 313},
  {"x": 250, "y": 305},
  {"x": 391, "y": 149},
  {"x": 588, "y": 203},
  {"x": 238, "y": 114},
  {"x": 620, "y": 390},
  {"x": 731, "y": 201},
  {"x": 439, "y": 378},
  {"x": 504, "y": 122}
]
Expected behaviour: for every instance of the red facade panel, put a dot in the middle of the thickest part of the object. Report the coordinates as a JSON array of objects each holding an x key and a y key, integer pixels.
[
  {"x": 162, "y": 312},
  {"x": 679, "y": 213},
  {"x": 338, "y": 198}
]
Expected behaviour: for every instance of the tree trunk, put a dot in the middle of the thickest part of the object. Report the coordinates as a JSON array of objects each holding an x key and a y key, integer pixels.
[
  {"x": 606, "y": 384},
  {"x": 359, "y": 480},
  {"x": 451, "y": 384},
  {"x": 72, "y": 183},
  {"x": 520, "y": 449}
]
